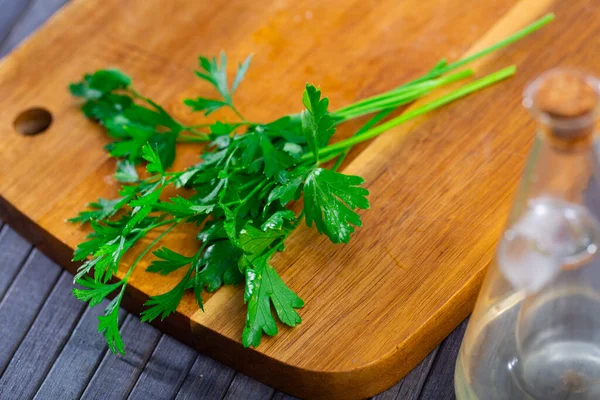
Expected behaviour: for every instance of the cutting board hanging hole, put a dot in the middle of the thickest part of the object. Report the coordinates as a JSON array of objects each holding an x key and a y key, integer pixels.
[{"x": 33, "y": 121}]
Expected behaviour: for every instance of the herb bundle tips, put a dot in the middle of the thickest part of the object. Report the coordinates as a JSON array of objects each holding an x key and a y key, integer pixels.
[{"x": 239, "y": 195}]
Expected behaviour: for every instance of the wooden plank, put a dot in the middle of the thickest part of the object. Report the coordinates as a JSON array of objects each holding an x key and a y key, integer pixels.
[
  {"x": 43, "y": 342},
  {"x": 34, "y": 15},
  {"x": 13, "y": 251},
  {"x": 78, "y": 360},
  {"x": 165, "y": 372},
  {"x": 116, "y": 375},
  {"x": 440, "y": 382},
  {"x": 283, "y": 396},
  {"x": 410, "y": 386},
  {"x": 22, "y": 302},
  {"x": 208, "y": 379},
  {"x": 439, "y": 195},
  {"x": 11, "y": 12},
  {"x": 245, "y": 387}
]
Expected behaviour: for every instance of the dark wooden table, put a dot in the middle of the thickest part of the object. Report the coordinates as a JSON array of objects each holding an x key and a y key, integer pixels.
[{"x": 49, "y": 346}]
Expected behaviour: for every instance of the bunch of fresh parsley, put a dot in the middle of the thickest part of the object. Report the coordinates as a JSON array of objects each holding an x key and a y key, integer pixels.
[{"x": 239, "y": 195}]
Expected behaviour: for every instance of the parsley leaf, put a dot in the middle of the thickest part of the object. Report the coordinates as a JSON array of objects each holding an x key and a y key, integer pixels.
[
  {"x": 207, "y": 105},
  {"x": 317, "y": 123},
  {"x": 165, "y": 304},
  {"x": 94, "y": 291},
  {"x": 254, "y": 242},
  {"x": 218, "y": 266},
  {"x": 241, "y": 72},
  {"x": 154, "y": 163},
  {"x": 186, "y": 209},
  {"x": 275, "y": 221},
  {"x": 126, "y": 172},
  {"x": 168, "y": 261},
  {"x": 263, "y": 288},
  {"x": 216, "y": 75},
  {"x": 130, "y": 118},
  {"x": 108, "y": 325},
  {"x": 287, "y": 191},
  {"x": 276, "y": 162},
  {"x": 101, "y": 82},
  {"x": 98, "y": 210},
  {"x": 329, "y": 200}
]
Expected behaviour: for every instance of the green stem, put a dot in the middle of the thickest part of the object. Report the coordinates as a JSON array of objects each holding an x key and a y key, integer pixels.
[
  {"x": 192, "y": 131},
  {"x": 190, "y": 139},
  {"x": 441, "y": 67},
  {"x": 161, "y": 223},
  {"x": 235, "y": 110},
  {"x": 150, "y": 246},
  {"x": 249, "y": 196},
  {"x": 370, "y": 123},
  {"x": 455, "y": 95},
  {"x": 503, "y": 43},
  {"x": 398, "y": 97}
]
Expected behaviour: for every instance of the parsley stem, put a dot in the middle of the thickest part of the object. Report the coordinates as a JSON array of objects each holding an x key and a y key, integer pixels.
[
  {"x": 192, "y": 139},
  {"x": 161, "y": 223},
  {"x": 370, "y": 123},
  {"x": 439, "y": 69},
  {"x": 256, "y": 189},
  {"x": 503, "y": 43},
  {"x": 151, "y": 245},
  {"x": 235, "y": 110},
  {"x": 192, "y": 131},
  {"x": 398, "y": 97},
  {"x": 450, "y": 97}
]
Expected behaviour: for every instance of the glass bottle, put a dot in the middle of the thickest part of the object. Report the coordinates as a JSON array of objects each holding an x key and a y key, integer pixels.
[{"x": 535, "y": 330}]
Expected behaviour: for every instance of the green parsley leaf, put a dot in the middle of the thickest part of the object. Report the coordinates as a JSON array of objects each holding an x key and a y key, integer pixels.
[
  {"x": 215, "y": 74},
  {"x": 293, "y": 149},
  {"x": 275, "y": 221},
  {"x": 165, "y": 304},
  {"x": 263, "y": 288},
  {"x": 329, "y": 200},
  {"x": 168, "y": 261},
  {"x": 108, "y": 325},
  {"x": 126, "y": 172},
  {"x": 98, "y": 210},
  {"x": 108, "y": 80},
  {"x": 254, "y": 242},
  {"x": 95, "y": 292},
  {"x": 207, "y": 105},
  {"x": 154, "y": 164},
  {"x": 218, "y": 266},
  {"x": 101, "y": 82},
  {"x": 241, "y": 72},
  {"x": 137, "y": 137},
  {"x": 186, "y": 209},
  {"x": 212, "y": 230},
  {"x": 317, "y": 123},
  {"x": 276, "y": 162},
  {"x": 287, "y": 191},
  {"x": 164, "y": 145}
]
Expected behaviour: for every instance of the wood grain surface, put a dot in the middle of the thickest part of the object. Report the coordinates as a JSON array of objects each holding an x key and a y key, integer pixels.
[{"x": 440, "y": 186}]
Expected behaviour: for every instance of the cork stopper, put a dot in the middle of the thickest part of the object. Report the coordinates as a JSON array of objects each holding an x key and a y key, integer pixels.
[
  {"x": 565, "y": 95},
  {"x": 566, "y": 103}
]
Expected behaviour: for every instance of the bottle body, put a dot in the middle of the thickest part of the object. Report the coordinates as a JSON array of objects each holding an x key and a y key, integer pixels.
[
  {"x": 542, "y": 346},
  {"x": 535, "y": 330}
]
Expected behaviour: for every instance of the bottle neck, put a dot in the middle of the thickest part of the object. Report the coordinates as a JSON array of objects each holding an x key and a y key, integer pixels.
[{"x": 562, "y": 168}]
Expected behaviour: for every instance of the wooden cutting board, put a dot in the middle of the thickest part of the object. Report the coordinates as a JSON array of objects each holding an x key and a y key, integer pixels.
[{"x": 440, "y": 186}]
